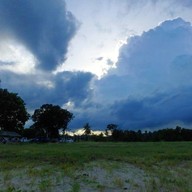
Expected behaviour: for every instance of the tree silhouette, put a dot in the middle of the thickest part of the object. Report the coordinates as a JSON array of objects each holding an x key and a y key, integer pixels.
[
  {"x": 49, "y": 119},
  {"x": 87, "y": 130},
  {"x": 13, "y": 114},
  {"x": 110, "y": 128}
]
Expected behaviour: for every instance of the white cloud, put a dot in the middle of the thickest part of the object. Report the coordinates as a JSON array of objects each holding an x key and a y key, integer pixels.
[
  {"x": 151, "y": 62},
  {"x": 105, "y": 23},
  {"x": 15, "y": 57}
]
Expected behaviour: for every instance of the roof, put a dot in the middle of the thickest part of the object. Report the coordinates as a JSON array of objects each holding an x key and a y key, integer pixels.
[{"x": 9, "y": 134}]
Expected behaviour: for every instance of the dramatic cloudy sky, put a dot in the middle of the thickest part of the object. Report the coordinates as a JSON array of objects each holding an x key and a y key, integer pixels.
[{"x": 108, "y": 61}]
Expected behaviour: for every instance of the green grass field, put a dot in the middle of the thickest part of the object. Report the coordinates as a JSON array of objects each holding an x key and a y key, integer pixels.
[{"x": 92, "y": 166}]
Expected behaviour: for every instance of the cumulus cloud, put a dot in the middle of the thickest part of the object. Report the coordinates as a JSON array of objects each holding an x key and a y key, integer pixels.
[
  {"x": 45, "y": 28},
  {"x": 151, "y": 85},
  {"x": 152, "y": 61},
  {"x": 155, "y": 49}
]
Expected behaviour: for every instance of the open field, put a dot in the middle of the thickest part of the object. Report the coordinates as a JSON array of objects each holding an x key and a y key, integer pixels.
[{"x": 92, "y": 166}]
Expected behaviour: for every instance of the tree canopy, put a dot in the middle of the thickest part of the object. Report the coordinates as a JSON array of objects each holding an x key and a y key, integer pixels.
[
  {"x": 48, "y": 119},
  {"x": 110, "y": 128},
  {"x": 13, "y": 114}
]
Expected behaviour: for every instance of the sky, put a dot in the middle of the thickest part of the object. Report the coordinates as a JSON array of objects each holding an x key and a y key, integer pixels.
[{"x": 107, "y": 61}]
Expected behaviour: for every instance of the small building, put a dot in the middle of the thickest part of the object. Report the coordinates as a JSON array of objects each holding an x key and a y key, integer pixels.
[{"x": 9, "y": 136}]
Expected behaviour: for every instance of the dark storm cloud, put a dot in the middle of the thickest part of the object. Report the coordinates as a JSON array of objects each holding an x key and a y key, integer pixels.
[
  {"x": 56, "y": 89},
  {"x": 156, "y": 111},
  {"x": 97, "y": 114},
  {"x": 45, "y": 27},
  {"x": 75, "y": 84}
]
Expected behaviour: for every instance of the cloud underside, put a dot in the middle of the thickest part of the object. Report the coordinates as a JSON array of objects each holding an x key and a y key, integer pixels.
[
  {"x": 65, "y": 87},
  {"x": 159, "y": 111}
]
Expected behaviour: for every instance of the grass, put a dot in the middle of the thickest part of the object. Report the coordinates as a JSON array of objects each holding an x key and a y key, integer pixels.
[
  {"x": 75, "y": 187},
  {"x": 48, "y": 166},
  {"x": 76, "y": 154}
]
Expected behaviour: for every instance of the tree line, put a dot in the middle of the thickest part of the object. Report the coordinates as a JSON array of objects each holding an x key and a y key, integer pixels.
[
  {"x": 113, "y": 133},
  {"x": 168, "y": 134},
  {"x": 49, "y": 120}
]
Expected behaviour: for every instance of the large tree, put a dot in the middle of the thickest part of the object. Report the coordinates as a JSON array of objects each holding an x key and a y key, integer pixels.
[
  {"x": 13, "y": 114},
  {"x": 48, "y": 119}
]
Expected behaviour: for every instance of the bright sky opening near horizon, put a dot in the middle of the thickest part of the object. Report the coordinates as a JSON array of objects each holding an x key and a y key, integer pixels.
[{"x": 107, "y": 61}]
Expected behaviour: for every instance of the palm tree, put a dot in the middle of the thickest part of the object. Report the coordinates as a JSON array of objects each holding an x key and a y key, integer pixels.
[{"x": 87, "y": 130}]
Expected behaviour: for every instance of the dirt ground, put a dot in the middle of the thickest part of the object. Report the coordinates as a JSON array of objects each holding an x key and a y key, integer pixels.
[{"x": 100, "y": 176}]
